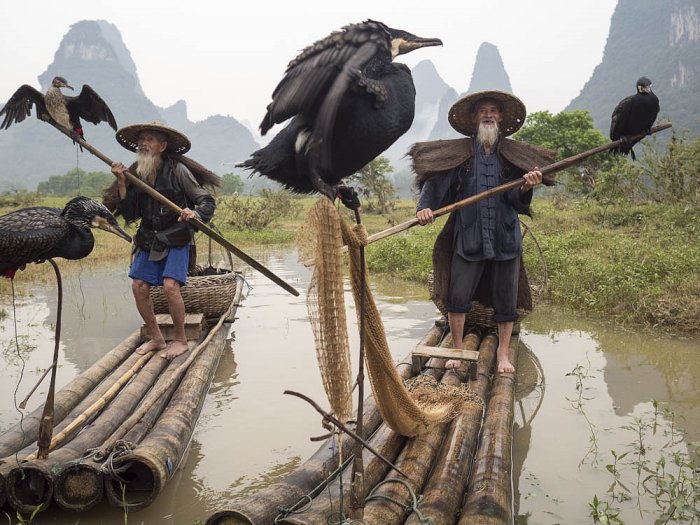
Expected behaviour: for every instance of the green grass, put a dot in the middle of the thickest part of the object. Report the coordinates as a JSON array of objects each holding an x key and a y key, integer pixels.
[{"x": 636, "y": 265}]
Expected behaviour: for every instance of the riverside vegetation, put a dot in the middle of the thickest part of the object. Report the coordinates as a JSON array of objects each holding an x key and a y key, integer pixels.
[{"x": 613, "y": 239}]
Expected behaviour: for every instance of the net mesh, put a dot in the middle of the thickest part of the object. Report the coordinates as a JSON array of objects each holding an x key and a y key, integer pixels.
[{"x": 407, "y": 412}]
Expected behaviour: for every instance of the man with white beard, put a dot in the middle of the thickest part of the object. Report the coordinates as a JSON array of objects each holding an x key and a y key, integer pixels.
[
  {"x": 163, "y": 239},
  {"x": 478, "y": 253}
]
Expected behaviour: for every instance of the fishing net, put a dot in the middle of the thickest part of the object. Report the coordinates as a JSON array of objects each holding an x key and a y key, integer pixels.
[{"x": 408, "y": 413}]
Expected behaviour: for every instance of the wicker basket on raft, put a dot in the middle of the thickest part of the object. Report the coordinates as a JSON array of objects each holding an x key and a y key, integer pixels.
[{"x": 209, "y": 290}]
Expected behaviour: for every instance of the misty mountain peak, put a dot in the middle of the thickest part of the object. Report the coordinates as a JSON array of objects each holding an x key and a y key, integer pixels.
[{"x": 489, "y": 71}]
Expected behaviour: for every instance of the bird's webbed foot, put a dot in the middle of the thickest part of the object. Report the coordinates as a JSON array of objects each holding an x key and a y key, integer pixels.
[{"x": 348, "y": 196}]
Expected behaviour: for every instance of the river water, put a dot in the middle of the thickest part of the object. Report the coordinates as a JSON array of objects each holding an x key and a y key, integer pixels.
[{"x": 587, "y": 392}]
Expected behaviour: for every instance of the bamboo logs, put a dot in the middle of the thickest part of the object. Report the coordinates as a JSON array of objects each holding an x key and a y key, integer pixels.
[
  {"x": 21, "y": 435},
  {"x": 489, "y": 495},
  {"x": 388, "y": 503},
  {"x": 444, "y": 490},
  {"x": 262, "y": 507},
  {"x": 21, "y": 480},
  {"x": 151, "y": 465},
  {"x": 449, "y": 474}
]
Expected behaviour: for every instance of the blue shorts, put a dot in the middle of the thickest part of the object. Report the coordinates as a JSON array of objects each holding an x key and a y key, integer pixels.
[{"x": 174, "y": 266}]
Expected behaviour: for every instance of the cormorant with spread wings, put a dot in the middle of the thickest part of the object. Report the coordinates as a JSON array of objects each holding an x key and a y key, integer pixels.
[
  {"x": 348, "y": 103},
  {"x": 634, "y": 115},
  {"x": 54, "y": 105}
]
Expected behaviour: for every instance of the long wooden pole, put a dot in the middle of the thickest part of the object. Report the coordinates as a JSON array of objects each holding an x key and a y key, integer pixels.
[
  {"x": 196, "y": 222},
  {"x": 551, "y": 168}
]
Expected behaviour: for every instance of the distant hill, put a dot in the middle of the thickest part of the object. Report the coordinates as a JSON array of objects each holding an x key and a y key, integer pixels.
[
  {"x": 488, "y": 73},
  {"x": 92, "y": 52},
  {"x": 659, "y": 40}
]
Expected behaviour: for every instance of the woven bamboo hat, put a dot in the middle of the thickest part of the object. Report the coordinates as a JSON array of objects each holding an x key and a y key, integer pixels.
[
  {"x": 461, "y": 114},
  {"x": 128, "y": 137}
]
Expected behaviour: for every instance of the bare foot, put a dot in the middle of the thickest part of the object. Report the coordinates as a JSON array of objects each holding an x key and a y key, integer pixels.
[
  {"x": 174, "y": 349},
  {"x": 150, "y": 346},
  {"x": 453, "y": 364},
  {"x": 505, "y": 366}
]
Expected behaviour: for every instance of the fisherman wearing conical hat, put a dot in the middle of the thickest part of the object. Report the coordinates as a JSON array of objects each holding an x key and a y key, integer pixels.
[
  {"x": 478, "y": 253},
  {"x": 164, "y": 238}
]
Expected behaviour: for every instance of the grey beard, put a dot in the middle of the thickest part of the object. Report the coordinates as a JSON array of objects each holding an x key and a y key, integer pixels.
[
  {"x": 147, "y": 166},
  {"x": 487, "y": 135}
]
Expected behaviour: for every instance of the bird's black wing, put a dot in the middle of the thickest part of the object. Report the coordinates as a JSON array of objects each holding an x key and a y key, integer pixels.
[
  {"x": 311, "y": 74},
  {"x": 30, "y": 235},
  {"x": 325, "y": 121},
  {"x": 89, "y": 105},
  {"x": 20, "y": 104},
  {"x": 620, "y": 118}
]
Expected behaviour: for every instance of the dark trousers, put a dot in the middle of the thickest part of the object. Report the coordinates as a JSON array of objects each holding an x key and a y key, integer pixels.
[{"x": 502, "y": 280}]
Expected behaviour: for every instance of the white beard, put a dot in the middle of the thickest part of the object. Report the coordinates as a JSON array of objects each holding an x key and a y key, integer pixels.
[
  {"x": 487, "y": 135},
  {"x": 147, "y": 166}
]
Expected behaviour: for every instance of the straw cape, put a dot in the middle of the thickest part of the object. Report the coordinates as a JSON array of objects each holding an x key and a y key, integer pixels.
[
  {"x": 178, "y": 142},
  {"x": 461, "y": 114}
]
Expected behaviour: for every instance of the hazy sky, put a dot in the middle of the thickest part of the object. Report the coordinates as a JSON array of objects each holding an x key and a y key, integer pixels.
[{"x": 227, "y": 57}]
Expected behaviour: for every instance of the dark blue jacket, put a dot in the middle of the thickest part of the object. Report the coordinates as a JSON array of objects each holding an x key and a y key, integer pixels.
[{"x": 488, "y": 229}]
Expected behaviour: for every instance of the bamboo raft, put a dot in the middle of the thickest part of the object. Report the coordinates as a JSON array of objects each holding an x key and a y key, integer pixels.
[
  {"x": 458, "y": 472},
  {"x": 124, "y": 424}
]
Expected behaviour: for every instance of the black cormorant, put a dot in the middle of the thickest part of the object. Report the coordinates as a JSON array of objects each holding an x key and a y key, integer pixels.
[
  {"x": 54, "y": 105},
  {"x": 39, "y": 233},
  {"x": 634, "y": 115},
  {"x": 348, "y": 103}
]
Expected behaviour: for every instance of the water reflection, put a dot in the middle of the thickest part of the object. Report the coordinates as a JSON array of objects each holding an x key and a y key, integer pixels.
[
  {"x": 250, "y": 434},
  {"x": 601, "y": 385}
]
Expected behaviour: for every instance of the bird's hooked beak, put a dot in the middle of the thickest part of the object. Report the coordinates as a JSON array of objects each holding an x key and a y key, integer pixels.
[
  {"x": 644, "y": 89},
  {"x": 406, "y": 44},
  {"x": 109, "y": 226}
]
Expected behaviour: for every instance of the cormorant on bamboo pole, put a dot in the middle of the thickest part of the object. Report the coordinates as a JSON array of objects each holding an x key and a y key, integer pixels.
[
  {"x": 40, "y": 233},
  {"x": 54, "y": 105},
  {"x": 634, "y": 115},
  {"x": 348, "y": 102}
]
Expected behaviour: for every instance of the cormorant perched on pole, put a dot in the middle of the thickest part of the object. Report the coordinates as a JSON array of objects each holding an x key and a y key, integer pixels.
[
  {"x": 348, "y": 103},
  {"x": 40, "y": 233},
  {"x": 54, "y": 105},
  {"x": 634, "y": 115}
]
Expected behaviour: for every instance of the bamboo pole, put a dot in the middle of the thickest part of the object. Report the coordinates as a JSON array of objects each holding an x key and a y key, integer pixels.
[
  {"x": 196, "y": 222},
  {"x": 97, "y": 405},
  {"x": 551, "y": 168}
]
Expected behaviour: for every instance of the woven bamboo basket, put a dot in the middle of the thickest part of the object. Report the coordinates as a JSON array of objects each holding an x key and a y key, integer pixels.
[
  {"x": 210, "y": 289},
  {"x": 210, "y": 295}
]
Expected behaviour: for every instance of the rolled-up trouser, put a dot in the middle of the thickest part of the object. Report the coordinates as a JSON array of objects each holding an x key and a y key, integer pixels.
[{"x": 503, "y": 282}]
